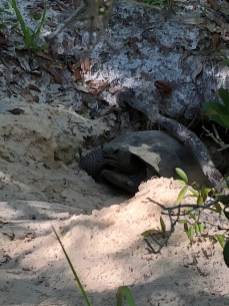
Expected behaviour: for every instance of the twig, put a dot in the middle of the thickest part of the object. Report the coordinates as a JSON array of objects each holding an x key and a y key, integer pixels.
[
  {"x": 194, "y": 206},
  {"x": 216, "y": 138},
  {"x": 168, "y": 233},
  {"x": 51, "y": 37}
]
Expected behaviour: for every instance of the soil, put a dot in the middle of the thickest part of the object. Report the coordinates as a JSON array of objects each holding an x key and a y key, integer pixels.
[
  {"x": 54, "y": 106},
  {"x": 41, "y": 187}
]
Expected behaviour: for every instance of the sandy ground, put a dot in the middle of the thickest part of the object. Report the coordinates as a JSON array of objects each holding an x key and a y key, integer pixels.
[{"x": 42, "y": 186}]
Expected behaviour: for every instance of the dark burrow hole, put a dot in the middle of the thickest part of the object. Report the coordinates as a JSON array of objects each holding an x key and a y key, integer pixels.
[{"x": 138, "y": 121}]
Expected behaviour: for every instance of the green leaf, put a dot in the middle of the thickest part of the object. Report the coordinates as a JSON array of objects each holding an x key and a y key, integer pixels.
[
  {"x": 221, "y": 240},
  {"x": 200, "y": 200},
  {"x": 30, "y": 38},
  {"x": 226, "y": 253},
  {"x": 155, "y": 2},
  {"x": 191, "y": 233},
  {"x": 181, "y": 195},
  {"x": 197, "y": 230},
  {"x": 149, "y": 233},
  {"x": 182, "y": 221},
  {"x": 38, "y": 31},
  {"x": 188, "y": 210},
  {"x": 212, "y": 108},
  {"x": 195, "y": 192},
  {"x": 182, "y": 175},
  {"x": 163, "y": 226},
  {"x": 205, "y": 191},
  {"x": 218, "y": 208},
  {"x": 224, "y": 95},
  {"x": 19, "y": 17},
  {"x": 124, "y": 291},
  {"x": 181, "y": 182},
  {"x": 223, "y": 198},
  {"x": 225, "y": 62},
  {"x": 223, "y": 120},
  {"x": 192, "y": 215},
  {"x": 186, "y": 227},
  {"x": 201, "y": 227},
  {"x": 2, "y": 26},
  {"x": 217, "y": 112}
]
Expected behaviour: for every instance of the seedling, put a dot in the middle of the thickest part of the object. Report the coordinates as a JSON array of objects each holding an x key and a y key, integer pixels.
[
  {"x": 191, "y": 221},
  {"x": 31, "y": 39}
]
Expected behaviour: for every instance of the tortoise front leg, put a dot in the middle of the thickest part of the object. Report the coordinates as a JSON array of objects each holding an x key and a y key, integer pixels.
[{"x": 93, "y": 163}]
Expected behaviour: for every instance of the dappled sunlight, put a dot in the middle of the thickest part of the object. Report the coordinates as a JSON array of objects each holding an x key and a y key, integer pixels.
[{"x": 60, "y": 103}]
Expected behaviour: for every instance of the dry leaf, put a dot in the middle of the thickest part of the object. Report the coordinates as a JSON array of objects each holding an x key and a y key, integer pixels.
[
  {"x": 84, "y": 63},
  {"x": 30, "y": 97},
  {"x": 163, "y": 86},
  {"x": 215, "y": 40},
  {"x": 97, "y": 86},
  {"x": 45, "y": 55},
  {"x": 24, "y": 63},
  {"x": 196, "y": 72},
  {"x": 113, "y": 89},
  {"x": 224, "y": 8},
  {"x": 3, "y": 41},
  {"x": 34, "y": 87},
  {"x": 222, "y": 24},
  {"x": 37, "y": 73},
  {"x": 76, "y": 75},
  {"x": 16, "y": 111},
  {"x": 56, "y": 7},
  {"x": 113, "y": 110},
  {"x": 25, "y": 90},
  {"x": 213, "y": 5},
  {"x": 55, "y": 72},
  {"x": 57, "y": 76}
]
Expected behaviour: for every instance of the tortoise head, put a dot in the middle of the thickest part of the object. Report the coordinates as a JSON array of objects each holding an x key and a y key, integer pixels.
[{"x": 122, "y": 159}]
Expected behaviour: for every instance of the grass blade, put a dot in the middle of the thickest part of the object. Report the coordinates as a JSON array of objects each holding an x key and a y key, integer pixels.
[
  {"x": 19, "y": 17},
  {"x": 73, "y": 270},
  {"x": 124, "y": 291},
  {"x": 42, "y": 21}
]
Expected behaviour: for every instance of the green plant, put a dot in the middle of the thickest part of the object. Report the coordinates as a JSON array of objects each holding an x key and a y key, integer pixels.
[
  {"x": 30, "y": 38},
  {"x": 155, "y": 2},
  {"x": 192, "y": 224},
  {"x": 156, "y": 238},
  {"x": 219, "y": 112},
  {"x": 123, "y": 291},
  {"x": 159, "y": 232}
]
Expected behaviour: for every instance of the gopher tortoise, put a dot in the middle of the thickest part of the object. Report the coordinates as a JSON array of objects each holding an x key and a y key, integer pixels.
[{"x": 134, "y": 157}]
